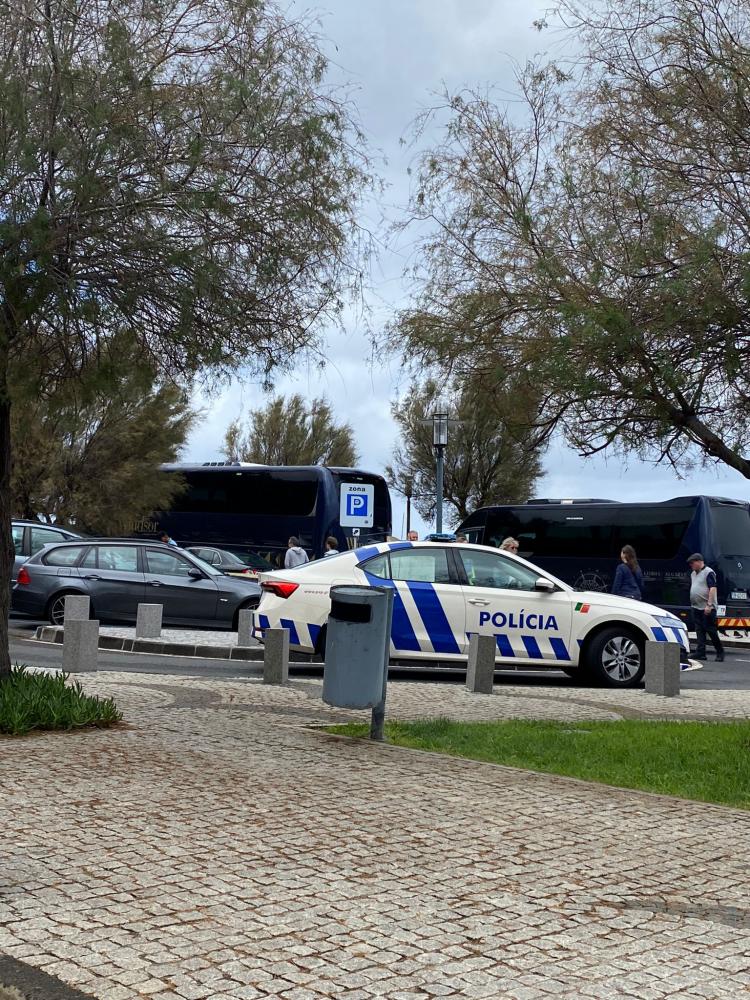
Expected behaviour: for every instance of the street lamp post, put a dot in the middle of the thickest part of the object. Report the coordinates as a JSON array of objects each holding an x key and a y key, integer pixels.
[{"x": 439, "y": 440}]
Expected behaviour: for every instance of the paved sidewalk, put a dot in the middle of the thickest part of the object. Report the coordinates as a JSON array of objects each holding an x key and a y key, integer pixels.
[{"x": 217, "y": 847}]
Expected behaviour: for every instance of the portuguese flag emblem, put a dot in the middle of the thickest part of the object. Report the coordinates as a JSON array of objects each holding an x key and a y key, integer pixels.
[{"x": 583, "y": 608}]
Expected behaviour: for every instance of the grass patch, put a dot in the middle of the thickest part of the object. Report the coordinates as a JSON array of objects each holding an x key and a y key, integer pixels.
[
  {"x": 708, "y": 761},
  {"x": 30, "y": 700}
]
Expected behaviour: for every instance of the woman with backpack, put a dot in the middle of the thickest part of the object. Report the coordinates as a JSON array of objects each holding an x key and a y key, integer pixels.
[{"x": 628, "y": 580}]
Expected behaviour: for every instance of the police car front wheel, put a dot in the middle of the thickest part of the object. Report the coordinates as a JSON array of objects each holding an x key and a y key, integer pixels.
[{"x": 616, "y": 657}]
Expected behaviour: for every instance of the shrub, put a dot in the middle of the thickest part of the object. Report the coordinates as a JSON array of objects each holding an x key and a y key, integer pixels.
[{"x": 31, "y": 700}]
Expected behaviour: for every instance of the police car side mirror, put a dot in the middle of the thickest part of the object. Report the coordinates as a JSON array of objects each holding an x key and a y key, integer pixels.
[{"x": 546, "y": 586}]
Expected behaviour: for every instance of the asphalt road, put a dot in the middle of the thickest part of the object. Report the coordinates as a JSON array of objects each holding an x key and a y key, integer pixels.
[{"x": 734, "y": 673}]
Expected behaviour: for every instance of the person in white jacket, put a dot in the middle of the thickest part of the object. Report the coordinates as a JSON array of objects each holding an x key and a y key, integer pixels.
[{"x": 295, "y": 554}]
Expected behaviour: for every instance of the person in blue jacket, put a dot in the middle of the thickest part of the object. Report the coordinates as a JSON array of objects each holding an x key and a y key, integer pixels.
[{"x": 628, "y": 580}]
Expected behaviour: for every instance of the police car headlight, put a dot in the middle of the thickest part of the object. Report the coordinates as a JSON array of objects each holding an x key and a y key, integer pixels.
[{"x": 670, "y": 621}]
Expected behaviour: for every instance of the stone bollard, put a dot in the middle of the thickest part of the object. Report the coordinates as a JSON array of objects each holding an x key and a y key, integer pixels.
[
  {"x": 77, "y": 608},
  {"x": 480, "y": 670},
  {"x": 80, "y": 646},
  {"x": 276, "y": 656},
  {"x": 148, "y": 621},
  {"x": 245, "y": 627},
  {"x": 663, "y": 668}
]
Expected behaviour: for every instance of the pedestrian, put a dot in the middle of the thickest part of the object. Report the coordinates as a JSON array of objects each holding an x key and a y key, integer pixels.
[
  {"x": 510, "y": 545},
  {"x": 412, "y": 536},
  {"x": 164, "y": 537},
  {"x": 703, "y": 600},
  {"x": 628, "y": 581},
  {"x": 332, "y": 546},
  {"x": 295, "y": 554}
]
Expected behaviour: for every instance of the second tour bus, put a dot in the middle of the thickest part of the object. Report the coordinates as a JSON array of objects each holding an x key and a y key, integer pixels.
[{"x": 580, "y": 542}]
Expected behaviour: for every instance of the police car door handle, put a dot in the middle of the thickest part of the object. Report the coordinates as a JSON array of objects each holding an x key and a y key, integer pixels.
[{"x": 478, "y": 602}]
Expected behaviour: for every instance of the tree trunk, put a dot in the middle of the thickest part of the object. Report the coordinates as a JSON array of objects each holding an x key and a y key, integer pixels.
[
  {"x": 6, "y": 541},
  {"x": 711, "y": 443}
]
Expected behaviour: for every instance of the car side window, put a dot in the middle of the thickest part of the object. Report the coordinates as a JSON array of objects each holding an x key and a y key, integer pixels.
[
  {"x": 167, "y": 563},
  {"x": 427, "y": 565},
  {"x": 18, "y": 539},
  {"x": 379, "y": 566},
  {"x": 64, "y": 556},
  {"x": 121, "y": 558},
  {"x": 43, "y": 536},
  {"x": 485, "y": 569}
]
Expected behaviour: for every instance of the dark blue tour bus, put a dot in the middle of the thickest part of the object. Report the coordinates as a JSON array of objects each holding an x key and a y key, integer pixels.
[
  {"x": 252, "y": 510},
  {"x": 580, "y": 542}
]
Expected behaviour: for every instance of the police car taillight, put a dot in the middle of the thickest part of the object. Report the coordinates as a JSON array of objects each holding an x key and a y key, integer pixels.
[
  {"x": 23, "y": 577},
  {"x": 279, "y": 588}
]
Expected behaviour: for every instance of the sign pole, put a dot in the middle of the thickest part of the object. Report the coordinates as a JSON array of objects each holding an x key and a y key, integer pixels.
[{"x": 377, "y": 718}]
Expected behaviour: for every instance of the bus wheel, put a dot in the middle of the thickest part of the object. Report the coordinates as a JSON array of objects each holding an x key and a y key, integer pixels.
[
  {"x": 320, "y": 645},
  {"x": 616, "y": 657}
]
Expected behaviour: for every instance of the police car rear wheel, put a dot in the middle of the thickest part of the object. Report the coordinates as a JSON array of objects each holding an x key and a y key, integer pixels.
[{"x": 616, "y": 657}]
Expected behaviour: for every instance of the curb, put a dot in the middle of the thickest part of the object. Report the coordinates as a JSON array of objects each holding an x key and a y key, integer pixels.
[{"x": 117, "y": 643}]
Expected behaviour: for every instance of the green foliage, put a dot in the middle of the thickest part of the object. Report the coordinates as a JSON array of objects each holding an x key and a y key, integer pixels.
[
  {"x": 87, "y": 454},
  {"x": 598, "y": 245},
  {"x": 181, "y": 171},
  {"x": 708, "y": 761},
  {"x": 289, "y": 432},
  {"x": 30, "y": 700},
  {"x": 492, "y": 455}
]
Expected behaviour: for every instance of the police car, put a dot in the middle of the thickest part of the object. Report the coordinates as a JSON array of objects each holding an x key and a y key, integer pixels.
[{"x": 443, "y": 594}]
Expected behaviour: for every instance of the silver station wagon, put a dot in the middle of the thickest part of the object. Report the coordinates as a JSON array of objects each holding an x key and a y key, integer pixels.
[{"x": 119, "y": 575}]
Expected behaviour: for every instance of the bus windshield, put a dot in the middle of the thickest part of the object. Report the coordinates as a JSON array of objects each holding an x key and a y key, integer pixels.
[{"x": 732, "y": 532}]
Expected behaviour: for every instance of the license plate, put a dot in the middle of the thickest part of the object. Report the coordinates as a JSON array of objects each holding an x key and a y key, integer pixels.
[{"x": 739, "y": 595}]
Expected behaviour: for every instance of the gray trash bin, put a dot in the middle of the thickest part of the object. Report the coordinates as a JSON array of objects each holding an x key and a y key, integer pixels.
[{"x": 358, "y": 640}]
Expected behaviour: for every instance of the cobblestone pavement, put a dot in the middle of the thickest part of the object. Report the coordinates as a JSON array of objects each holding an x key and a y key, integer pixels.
[{"x": 218, "y": 847}]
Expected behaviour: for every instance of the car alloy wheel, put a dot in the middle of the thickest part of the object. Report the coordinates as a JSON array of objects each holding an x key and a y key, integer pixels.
[
  {"x": 57, "y": 610},
  {"x": 621, "y": 659}
]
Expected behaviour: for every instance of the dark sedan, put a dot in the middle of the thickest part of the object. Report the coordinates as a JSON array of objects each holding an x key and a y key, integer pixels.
[
  {"x": 247, "y": 564},
  {"x": 119, "y": 575}
]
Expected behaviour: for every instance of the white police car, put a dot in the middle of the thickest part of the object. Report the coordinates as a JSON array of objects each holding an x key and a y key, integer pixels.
[{"x": 445, "y": 593}]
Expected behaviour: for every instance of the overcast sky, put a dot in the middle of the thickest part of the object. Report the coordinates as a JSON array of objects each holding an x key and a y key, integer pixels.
[{"x": 398, "y": 54}]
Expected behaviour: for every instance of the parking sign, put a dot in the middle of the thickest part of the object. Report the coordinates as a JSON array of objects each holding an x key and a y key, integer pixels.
[{"x": 356, "y": 508}]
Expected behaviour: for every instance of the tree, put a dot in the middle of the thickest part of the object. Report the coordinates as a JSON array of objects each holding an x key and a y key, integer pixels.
[
  {"x": 178, "y": 169},
  {"x": 288, "y": 432},
  {"x": 600, "y": 241},
  {"x": 88, "y": 455},
  {"x": 490, "y": 456}
]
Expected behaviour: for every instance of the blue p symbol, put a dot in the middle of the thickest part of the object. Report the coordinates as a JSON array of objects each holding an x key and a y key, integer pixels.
[{"x": 356, "y": 506}]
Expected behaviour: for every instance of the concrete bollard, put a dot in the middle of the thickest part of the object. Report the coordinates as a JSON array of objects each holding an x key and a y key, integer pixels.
[
  {"x": 77, "y": 608},
  {"x": 663, "y": 668},
  {"x": 480, "y": 670},
  {"x": 80, "y": 646},
  {"x": 148, "y": 621},
  {"x": 245, "y": 627},
  {"x": 276, "y": 656}
]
